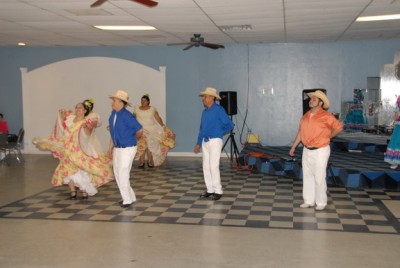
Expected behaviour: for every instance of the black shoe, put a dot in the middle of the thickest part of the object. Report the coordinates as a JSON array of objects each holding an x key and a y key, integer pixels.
[
  {"x": 141, "y": 165},
  {"x": 217, "y": 197},
  {"x": 85, "y": 196},
  {"x": 150, "y": 165},
  {"x": 125, "y": 205},
  {"x": 206, "y": 195},
  {"x": 120, "y": 202}
]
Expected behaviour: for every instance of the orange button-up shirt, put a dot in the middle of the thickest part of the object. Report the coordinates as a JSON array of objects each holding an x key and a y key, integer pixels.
[{"x": 316, "y": 129}]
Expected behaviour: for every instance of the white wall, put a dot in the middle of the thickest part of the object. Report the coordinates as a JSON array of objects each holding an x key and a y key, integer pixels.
[{"x": 65, "y": 83}]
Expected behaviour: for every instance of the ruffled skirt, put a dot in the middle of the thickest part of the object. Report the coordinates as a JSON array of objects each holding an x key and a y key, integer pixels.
[{"x": 392, "y": 155}]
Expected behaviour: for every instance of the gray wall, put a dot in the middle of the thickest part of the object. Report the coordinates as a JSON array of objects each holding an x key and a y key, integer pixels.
[{"x": 251, "y": 70}]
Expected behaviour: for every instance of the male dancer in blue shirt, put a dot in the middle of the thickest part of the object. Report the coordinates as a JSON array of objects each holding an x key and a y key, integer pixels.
[
  {"x": 214, "y": 124},
  {"x": 124, "y": 131}
]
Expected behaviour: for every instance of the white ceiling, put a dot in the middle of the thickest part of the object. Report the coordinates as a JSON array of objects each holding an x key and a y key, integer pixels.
[{"x": 69, "y": 22}]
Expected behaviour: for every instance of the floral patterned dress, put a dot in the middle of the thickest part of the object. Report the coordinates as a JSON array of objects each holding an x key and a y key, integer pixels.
[{"x": 81, "y": 157}]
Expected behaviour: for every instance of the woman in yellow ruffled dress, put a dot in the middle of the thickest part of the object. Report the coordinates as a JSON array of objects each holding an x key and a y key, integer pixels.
[
  {"x": 157, "y": 139},
  {"x": 83, "y": 164}
]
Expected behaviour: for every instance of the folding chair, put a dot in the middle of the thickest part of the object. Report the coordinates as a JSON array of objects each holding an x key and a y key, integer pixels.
[
  {"x": 3, "y": 151},
  {"x": 13, "y": 149}
]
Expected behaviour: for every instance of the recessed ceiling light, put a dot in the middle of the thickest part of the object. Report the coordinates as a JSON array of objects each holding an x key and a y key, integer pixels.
[
  {"x": 21, "y": 44},
  {"x": 377, "y": 18},
  {"x": 124, "y": 28}
]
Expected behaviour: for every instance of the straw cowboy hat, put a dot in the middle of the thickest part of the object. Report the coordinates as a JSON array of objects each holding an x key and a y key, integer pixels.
[
  {"x": 122, "y": 95},
  {"x": 211, "y": 92},
  {"x": 320, "y": 95}
]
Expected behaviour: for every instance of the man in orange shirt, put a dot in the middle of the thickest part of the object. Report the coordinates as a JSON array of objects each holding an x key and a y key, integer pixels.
[{"x": 317, "y": 128}]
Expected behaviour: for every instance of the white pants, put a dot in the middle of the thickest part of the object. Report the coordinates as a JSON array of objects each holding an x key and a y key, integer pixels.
[
  {"x": 122, "y": 164},
  {"x": 211, "y": 156},
  {"x": 314, "y": 163}
]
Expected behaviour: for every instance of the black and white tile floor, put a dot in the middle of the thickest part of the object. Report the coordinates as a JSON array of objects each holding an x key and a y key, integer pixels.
[{"x": 170, "y": 194}]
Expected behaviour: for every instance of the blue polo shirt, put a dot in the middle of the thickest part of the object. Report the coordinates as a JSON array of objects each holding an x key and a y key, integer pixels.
[
  {"x": 214, "y": 123},
  {"x": 123, "y": 133}
]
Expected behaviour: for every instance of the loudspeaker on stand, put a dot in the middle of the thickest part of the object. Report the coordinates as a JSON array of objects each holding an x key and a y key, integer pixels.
[{"x": 229, "y": 101}]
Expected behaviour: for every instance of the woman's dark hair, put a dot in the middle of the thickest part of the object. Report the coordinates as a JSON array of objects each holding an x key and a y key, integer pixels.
[
  {"x": 146, "y": 96},
  {"x": 1, "y": 115},
  {"x": 88, "y": 105}
]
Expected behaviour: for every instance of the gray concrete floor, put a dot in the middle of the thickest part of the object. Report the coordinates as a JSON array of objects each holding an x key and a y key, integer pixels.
[{"x": 61, "y": 243}]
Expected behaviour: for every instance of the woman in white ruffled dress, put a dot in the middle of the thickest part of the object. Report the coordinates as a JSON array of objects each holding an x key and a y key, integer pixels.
[{"x": 157, "y": 139}]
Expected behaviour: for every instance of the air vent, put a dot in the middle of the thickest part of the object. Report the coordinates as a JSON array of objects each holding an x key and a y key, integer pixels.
[{"x": 235, "y": 28}]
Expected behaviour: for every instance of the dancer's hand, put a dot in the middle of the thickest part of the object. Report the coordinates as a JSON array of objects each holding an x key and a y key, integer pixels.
[{"x": 196, "y": 148}]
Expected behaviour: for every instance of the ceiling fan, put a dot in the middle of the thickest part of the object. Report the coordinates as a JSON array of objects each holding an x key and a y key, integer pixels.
[
  {"x": 148, "y": 3},
  {"x": 197, "y": 41}
]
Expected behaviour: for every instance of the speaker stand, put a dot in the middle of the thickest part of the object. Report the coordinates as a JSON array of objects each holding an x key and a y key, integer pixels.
[{"x": 234, "y": 149}]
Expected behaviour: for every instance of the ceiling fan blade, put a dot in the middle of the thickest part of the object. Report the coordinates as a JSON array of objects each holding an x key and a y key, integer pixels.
[
  {"x": 197, "y": 41},
  {"x": 188, "y": 47},
  {"x": 98, "y": 3},
  {"x": 148, "y": 3},
  {"x": 213, "y": 46},
  {"x": 180, "y": 44}
]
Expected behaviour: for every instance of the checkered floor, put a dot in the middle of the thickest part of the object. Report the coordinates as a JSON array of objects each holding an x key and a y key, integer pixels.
[{"x": 170, "y": 194}]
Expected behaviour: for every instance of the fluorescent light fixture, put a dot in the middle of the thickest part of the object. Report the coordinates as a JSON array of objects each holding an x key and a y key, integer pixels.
[
  {"x": 124, "y": 28},
  {"x": 377, "y": 18},
  {"x": 21, "y": 44}
]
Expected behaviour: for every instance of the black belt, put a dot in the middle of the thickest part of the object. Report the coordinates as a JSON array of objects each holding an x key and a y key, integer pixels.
[
  {"x": 312, "y": 148},
  {"x": 123, "y": 146},
  {"x": 207, "y": 139}
]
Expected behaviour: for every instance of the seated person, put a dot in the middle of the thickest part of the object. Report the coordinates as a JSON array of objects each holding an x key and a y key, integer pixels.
[{"x": 3, "y": 125}]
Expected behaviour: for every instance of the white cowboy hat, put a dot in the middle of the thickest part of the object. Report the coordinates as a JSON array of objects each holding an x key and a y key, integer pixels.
[
  {"x": 320, "y": 95},
  {"x": 211, "y": 92},
  {"x": 122, "y": 95}
]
